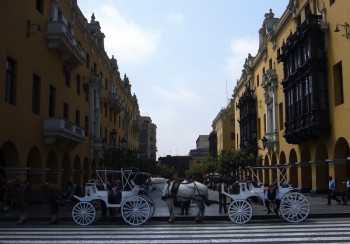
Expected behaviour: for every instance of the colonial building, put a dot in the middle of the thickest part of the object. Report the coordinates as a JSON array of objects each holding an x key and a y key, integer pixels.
[
  {"x": 201, "y": 152},
  {"x": 223, "y": 135},
  {"x": 148, "y": 139},
  {"x": 62, "y": 98},
  {"x": 293, "y": 93}
]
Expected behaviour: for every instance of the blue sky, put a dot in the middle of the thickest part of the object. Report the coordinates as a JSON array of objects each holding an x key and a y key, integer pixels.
[{"x": 182, "y": 57}]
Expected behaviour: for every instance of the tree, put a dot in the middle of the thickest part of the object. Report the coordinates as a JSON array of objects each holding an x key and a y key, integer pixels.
[{"x": 232, "y": 159}]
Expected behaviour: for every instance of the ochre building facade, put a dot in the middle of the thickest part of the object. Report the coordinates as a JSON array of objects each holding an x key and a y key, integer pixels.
[
  {"x": 293, "y": 93},
  {"x": 62, "y": 98}
]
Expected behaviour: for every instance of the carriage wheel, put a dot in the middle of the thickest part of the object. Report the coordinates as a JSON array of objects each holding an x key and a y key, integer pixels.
[
  {"x": 83, "y": 213},
  {"x": 240, "y": 211},
  {"x": 294, "y": 207},
  {"x": 135, "y": 210},
  {"x": 151, "y": 205}
]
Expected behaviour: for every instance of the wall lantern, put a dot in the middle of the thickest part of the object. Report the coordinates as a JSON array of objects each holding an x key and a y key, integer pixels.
[
  {"x": 346, "y": 28},
  {"x": 29, "y": 28}
]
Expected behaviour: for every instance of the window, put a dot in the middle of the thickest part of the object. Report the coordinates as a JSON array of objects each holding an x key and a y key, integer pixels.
[
  {"x": 40, "y": 6},
  {"x": 270, "y": 63},
  {"x": 280, "y": 113},
  {"x": 77, "y": 117},
  {"x": 338, "y": 83},
  {"x": 257, "y": 80},
  {"x": 78, "y": 84},
  {"x": 87, "y": 60},
  {"x": 307, "y": 10},
  {"x": 65, "y": 111},
  {"x": 298, "y": 20},
  {"x": 86, "y": 126},
  {"x": 10, "y": 89},
  {"x": 36, "y": 94},
  {"x": 66, "y": 74},
  {"x": 52, "y": 101}
]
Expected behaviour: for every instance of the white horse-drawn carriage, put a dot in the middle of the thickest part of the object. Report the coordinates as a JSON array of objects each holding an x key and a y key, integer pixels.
[
  {"x": 135, "y": 207},
  {"x": 294, "y": 206}
]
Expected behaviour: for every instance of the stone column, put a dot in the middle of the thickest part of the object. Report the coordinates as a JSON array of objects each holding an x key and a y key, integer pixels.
[{"x": 319, "y": 176}]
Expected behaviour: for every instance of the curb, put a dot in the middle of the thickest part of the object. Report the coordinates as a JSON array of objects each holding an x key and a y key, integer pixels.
[{"x": 185, "y": 218}]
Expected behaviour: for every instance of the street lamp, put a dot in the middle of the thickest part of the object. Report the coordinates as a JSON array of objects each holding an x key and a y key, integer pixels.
[
  {"x": 123, "y": 142},
  {"x": 104, "y": 143},
  {"x": 113, "y": 135}
]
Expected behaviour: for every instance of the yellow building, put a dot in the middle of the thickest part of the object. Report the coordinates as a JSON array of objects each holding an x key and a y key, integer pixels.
[
  {"x": 292, "y": 92},
  {"x": 223, "y": 130},
  {"x": 61, "y": 95}
]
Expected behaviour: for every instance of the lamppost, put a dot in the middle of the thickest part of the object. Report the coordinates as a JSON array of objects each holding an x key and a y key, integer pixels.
[
  {"x": 113, "y": 135},
  {"x": 123, "y": 142}
]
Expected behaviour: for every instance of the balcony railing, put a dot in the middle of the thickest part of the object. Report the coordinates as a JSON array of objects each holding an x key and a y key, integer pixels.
[
  {"x": 66, "y": 134},
  {"x": 115, "y": 102},
  {"x": 60, "y": 38}
]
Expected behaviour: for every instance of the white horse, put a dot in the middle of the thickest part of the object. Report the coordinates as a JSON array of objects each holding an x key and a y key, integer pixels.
[{"x": 195, "y": 191}]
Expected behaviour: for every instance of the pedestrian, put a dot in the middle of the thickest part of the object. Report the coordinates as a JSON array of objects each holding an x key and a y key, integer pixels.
[
  {"x": 331, "y": 191},
  {"x": 222, "y": 197},
  {"x": 347, "y": 191},
  {"x": 271, "y": 196},
  {"x": 69, "y": 190}
]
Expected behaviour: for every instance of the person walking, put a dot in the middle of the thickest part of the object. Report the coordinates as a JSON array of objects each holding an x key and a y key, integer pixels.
[
  {"x": 331, "y": 191},
  {"x": 347, "y": 191},
  {"x": 222, "y": 197}
]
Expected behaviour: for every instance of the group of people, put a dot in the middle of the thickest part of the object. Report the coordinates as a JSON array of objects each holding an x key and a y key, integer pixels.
[{"x": 331, "y": 194}]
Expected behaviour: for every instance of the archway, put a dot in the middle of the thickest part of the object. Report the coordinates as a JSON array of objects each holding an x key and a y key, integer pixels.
[
  {"x": 34, "y": 163},
  {"x": 320, "y": 170},
  {"x": 53, "y": 174},
  {"x": 66, "y": 175},
  {"x": 304, "y": 170},
  {"x": 86, "y": 170},
  {"x": 293, "y": 171},
  {"x": 266, "y": 173},
  {"x": 77, "y": 171},
  {"x": 340, "y": 167},
  {"x": 10, "y": 161}
]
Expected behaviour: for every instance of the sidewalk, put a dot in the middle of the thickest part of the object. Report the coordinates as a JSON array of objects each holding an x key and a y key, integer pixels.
[{"x": 318, "y": 209}]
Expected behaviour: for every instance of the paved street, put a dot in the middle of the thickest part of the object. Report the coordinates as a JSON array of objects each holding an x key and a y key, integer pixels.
[{"x": 309, "y": 231}]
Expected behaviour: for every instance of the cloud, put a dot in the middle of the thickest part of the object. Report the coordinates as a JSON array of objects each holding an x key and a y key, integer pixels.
[
  {"x": 178, "y": 19},
  {"x": 239, "y": 49},
  {"x": 177, "y": 94},
  {"x": 130, "y": 43}
]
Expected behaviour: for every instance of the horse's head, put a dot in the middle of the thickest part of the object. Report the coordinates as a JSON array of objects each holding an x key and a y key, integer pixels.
[{"x": 157, "y": 183}]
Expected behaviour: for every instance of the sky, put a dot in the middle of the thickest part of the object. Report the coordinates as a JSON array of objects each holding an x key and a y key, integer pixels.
[{"x": 182, "y": 57}]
